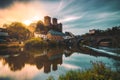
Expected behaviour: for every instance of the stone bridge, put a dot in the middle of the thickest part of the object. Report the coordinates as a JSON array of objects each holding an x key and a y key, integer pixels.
[
  {"x": 73, "y": 41},
  {"x": 96, "y": 40}
]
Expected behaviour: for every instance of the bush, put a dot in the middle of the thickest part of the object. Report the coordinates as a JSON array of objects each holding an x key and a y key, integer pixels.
[
  {"x": 35, "y": 42},
  {"x": 38, "y": 42},
  {"x": 98, "y": 72}
]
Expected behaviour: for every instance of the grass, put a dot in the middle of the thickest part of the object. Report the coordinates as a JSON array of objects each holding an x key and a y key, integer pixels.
[
  {"x": 38, "y": 42},
  {"x": 98, "y": 72}
]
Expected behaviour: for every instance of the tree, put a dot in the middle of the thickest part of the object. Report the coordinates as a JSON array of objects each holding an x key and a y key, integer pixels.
[
  {"x": 18, "y": 31},
  {"x": 40, "y": 26}
]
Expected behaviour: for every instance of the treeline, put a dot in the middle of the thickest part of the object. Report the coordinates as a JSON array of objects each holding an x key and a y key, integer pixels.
[
  {"x": 19, "y": 31},
  {"x": 114, "y": 31}
]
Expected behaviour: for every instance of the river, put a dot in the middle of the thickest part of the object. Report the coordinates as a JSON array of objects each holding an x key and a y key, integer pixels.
[{"x": 38, "y": 64}]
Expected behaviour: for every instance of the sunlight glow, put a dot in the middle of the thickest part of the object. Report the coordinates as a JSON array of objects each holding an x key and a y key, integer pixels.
[
  {"x": 33, "y": 19},
  {"x": 27, "y": 22},
  {"x": 31, "y": 12},
  {"x": 19, "y": 75}
]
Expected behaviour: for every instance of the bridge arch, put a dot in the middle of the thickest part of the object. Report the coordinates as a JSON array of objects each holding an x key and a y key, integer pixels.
[
  {"x": 79, "y": 42},
  {"x": 107, "y": 41}
]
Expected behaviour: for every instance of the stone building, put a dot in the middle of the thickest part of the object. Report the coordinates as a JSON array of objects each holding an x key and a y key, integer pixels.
[
  {"x": 47, "y": 27},
  {"x": 54, "y": 21},
  {"x": 55, "y": 35},
  {"x": 47, "y": 21},
  {"x": 54, "y": 25}
]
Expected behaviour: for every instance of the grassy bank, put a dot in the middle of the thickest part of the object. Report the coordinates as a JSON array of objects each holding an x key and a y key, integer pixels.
[
  {"x": 98, "y": 72},
  {"x": 11, "y": 45},
  {"x": 38, "y": 42}
]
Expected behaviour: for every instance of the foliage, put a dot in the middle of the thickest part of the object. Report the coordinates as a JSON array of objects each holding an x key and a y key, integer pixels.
[
  {"x": 98, "y": 72},
  {"x": 110, "y": 31},
  {"x": 38, "y": 42},
  {"x": 18, "y": 31},
  {"x": 50, "y": 78},
  {"x": 113, "y": 32},
  {"x": 41, "y": 27},
  {"x": 34, "y": 42}
]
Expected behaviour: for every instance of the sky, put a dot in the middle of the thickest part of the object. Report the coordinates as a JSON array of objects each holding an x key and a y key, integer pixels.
[{"x": 77, "y": 16}]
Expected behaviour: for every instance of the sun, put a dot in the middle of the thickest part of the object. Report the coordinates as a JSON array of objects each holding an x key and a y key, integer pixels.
[
  {"x": 31, "y": 20},
  {"x": 27, "y": 22}
]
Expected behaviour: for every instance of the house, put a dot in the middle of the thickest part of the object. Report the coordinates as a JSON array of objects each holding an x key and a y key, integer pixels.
[
  {"x": 55, "y": 35},
  {"x": 40, "y": 35},
  {"x": 92, "y": 31}
]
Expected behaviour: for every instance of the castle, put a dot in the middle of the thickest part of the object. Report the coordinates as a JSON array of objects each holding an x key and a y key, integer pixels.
[
  {"x": 48, "y": 25},
  {"x": 54, "y": 25},
  {"x": 51, "y": 30}
]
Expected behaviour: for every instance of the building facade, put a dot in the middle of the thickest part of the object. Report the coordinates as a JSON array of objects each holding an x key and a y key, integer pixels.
[
  {"x": 52, "y": 30},
  {"x": 55, "y": 35},
  {"x": 47, "y": 21}
]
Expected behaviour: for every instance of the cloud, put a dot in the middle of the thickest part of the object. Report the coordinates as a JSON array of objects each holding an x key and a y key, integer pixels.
[
  {"x": 75, "y": 14},
  {"x": 70, "y": 18},
  {"x": 63, "y": 4},
  {"x": 69, "y": 66},
  {"x": 21, "y": 12},
  {"x": 5, "y": 3},
  {"x": 19, "y": 75},
  {"x": 8, "y": 3}
]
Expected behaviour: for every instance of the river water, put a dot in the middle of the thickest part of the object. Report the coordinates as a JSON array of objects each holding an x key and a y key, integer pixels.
[{"x": 38, "y": 64}]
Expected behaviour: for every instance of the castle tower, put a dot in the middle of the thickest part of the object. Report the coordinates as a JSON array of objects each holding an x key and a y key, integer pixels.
[
  {"x": 60, "y": 27},
  {"x": 54, "y": 21},
  {"x": 47, "y": 21}
]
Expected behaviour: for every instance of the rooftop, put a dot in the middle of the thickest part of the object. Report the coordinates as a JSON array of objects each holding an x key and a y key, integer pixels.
[{"x": 56, "y": 33}]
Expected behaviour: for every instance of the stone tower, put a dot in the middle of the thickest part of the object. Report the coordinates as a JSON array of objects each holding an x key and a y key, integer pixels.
[
  {"x": 54, "y": 21},
  {"x": 47, "y": 21}
]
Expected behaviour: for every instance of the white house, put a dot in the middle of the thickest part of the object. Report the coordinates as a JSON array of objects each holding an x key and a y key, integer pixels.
[{"x": 39, "y": 35}]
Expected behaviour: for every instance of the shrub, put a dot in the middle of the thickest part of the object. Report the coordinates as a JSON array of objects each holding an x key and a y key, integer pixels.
[
  {"x": 38, "y": 42},
  {"x": 98, "y": 72},
  {"x": 34, "y": 42}
]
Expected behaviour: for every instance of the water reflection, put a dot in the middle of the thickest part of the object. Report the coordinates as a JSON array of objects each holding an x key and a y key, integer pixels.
[
  {"x": 41, "y": 58},
  {"x": 47, "y": 59}
]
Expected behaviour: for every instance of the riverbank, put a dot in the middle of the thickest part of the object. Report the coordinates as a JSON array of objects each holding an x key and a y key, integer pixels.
[
  {"x": 33, "y": 43},
  {"x": 40, "y": 43},
  {"x": 11, "y": 44}
]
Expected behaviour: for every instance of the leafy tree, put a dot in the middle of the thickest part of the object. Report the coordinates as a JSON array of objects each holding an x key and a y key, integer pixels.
[
  {"x": 40, "y": 26},
  {"x": 18, "y": 31}
]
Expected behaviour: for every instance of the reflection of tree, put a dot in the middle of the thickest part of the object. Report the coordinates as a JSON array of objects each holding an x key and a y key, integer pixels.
[
  {"x": 38, "y": 58},
  {"x": 16, "y": 63},
  {"x": 10, "y": 51}
]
